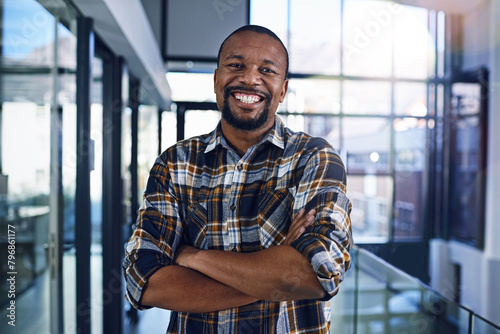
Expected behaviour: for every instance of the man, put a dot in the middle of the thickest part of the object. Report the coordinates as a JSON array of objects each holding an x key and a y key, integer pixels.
[{"x": 245, "y": 229}]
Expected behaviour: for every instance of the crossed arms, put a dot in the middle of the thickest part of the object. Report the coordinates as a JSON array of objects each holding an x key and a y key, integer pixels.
[
  {"x": 209, "y": 280},
  {"x": 309, "y": 264}
]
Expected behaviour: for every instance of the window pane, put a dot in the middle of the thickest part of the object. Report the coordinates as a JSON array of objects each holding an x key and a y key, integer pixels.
[
  {"x": 25, "y": 210},
  {"x": 370, "y": 196},
  {"x": 366, "y": 97},
  {"x": 196, "y": 87},
  {"x": 466, "y": 170},
  {"x": 96, "y": 188},
  {"x": 318, "y": 126},
  {"x": 367, "y": 44},
  {"x": 199, "y": 122},
  {"x": 27, "y": 87},
  {"x": 412, "y": 43},
  {"x": 27, "y": 34},
  {"x": 313, "y": 96},
  {"x": 66, "y": 48},
  {"x": 315, "y": 37},
  {"x": 264, "y": 13},
  {"x": 147, "y": 144},
  {"x": 410, "y": 99},
  {"x": 168, "y": 129},
  {"x": 465, "y": 223},
  {"x": 410, "y": 146},
  {"x": 366, "y": 142}
]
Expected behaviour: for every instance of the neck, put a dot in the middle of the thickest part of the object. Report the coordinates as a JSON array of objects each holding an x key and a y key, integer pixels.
[{"x": 242, "y": 140}]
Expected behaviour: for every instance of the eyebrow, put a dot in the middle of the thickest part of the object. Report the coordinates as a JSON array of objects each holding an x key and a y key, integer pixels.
[{"x": 240, "y": 57}]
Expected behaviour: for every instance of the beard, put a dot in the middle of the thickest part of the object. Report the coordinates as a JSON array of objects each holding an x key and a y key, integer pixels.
[{"x": 239, "y": 123}]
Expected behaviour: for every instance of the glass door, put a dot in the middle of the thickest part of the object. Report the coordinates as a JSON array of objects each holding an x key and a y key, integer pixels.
[{"x": 37, "y": 95}]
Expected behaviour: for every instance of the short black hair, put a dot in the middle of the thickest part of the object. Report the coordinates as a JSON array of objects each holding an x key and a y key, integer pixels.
[{"x": 259, "y": 30}]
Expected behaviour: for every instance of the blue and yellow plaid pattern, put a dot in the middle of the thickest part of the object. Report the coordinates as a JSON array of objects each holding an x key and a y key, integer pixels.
[{"x": 200, "y": 192}]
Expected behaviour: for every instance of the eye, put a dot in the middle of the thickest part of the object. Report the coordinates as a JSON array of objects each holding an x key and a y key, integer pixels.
[
  {"x": 267, "y": 70},
  {"x": 235, "y": 65}
]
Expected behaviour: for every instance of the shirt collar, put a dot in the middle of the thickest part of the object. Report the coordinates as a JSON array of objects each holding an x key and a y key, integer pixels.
[{"x": 275, "y": 136}]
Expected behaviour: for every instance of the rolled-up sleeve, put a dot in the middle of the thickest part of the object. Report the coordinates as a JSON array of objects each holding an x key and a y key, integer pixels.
[
  {"x": 157, "y": 233},
  {"x": 326, "y": 243}
]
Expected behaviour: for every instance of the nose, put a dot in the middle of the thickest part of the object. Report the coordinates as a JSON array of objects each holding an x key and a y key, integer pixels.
[{"x": 251, "y": 76}]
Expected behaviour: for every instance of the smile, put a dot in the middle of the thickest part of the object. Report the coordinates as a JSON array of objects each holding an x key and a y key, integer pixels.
[{"x": 246, "y": 98}]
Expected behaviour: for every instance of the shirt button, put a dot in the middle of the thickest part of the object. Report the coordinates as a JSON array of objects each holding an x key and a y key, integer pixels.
[
  {"x": 240, "y": 167},
  {"x": 281, "y": 195},
  {"x": 232, "y": 207}
]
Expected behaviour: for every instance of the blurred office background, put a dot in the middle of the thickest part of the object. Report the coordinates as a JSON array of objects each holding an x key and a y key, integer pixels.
[{"x": 407, "y": 91}]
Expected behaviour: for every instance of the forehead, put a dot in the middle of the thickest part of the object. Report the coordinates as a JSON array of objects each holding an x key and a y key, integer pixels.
[{"x": 250, "y": 43}]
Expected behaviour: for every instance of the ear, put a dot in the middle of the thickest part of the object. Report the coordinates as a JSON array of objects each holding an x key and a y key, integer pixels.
[
  {"x": 215, "y": 79},
  {"x": 284, "y": 89}
]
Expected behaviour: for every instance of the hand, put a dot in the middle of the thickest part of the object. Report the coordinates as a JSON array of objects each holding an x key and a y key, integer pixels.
[
  {"x": 183, "y": 253},
  {"x": 299, "y": 225}
]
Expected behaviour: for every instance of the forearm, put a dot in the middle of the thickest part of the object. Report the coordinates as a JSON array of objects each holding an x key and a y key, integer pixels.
[
  {"x": 276, "y": 274},
  {"x": 181, "y": 289}
]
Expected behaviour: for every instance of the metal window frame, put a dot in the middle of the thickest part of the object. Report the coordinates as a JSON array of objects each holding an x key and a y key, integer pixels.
[{"x": 85, "y": 53}]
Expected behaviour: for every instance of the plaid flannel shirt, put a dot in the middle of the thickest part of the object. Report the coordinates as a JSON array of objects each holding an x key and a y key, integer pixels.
[{"x": 200, "y": 192}]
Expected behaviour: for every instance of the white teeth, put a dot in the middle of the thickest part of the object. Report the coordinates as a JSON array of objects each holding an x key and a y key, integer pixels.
[{"x": 247, "y": 99}]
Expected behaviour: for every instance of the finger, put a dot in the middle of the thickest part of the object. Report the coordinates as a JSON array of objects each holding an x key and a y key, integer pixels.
[{"x": 300, "y": 227}]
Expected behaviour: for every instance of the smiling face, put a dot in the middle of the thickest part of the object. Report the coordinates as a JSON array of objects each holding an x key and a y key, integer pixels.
[{"x": 250, "y": 80}]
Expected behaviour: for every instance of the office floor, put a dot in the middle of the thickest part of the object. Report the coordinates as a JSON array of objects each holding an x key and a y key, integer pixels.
[{"x": 151, "y": 321}]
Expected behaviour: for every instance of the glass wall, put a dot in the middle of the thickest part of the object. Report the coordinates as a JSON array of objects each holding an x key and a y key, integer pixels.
[
  {"x": 147, "y": 143},
  {"x": 367, "y": 92},
  {"x": 377, "y": 298},
  {"x": 37, "y": 147}
]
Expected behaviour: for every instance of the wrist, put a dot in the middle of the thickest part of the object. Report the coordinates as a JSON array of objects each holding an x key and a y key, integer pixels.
[{"x": 185, "y": 256}]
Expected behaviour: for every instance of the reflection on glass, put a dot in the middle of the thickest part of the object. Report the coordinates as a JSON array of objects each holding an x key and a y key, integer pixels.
[
  {"x": 413, "y": 44},
  {"x": 366, "y": 97},
  {"x": 343, "y": 304},
  {"x": 97, "y": 136},
  {"x": 367, "y": 44},
  {"x": 66, "y": 46},
  {"x": 410, "y": 99},
  {"x": 28, "y": 34},
  {"x": 441, "y": 42},
  {"x": 24, "y": 214},
  {"x": 466, "y": 170},
  {"x": 481, "y": 326},
  {"x": 126, "y": 165},
  {"x": 315, "y": 36},
  {"x": 69, "y": 156},
  {"x": 313, "y": 96},
  {"x": 409, "y": 167},
  {"x": 390, "y": 301}
]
